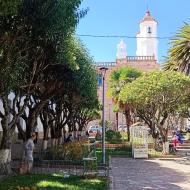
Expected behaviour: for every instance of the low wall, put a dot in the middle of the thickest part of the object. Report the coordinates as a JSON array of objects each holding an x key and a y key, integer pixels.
[{"x": 99, "y": 145}]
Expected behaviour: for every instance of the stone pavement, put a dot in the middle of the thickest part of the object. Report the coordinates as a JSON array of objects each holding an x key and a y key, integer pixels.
[{"x": 151, "y": 174}]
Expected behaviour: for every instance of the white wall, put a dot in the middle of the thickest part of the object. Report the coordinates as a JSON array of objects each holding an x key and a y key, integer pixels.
[{"x": 146, "y": 44}]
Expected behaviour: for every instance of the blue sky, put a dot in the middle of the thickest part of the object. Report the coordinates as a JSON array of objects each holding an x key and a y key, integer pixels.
[{"x": 121, "y": 17}]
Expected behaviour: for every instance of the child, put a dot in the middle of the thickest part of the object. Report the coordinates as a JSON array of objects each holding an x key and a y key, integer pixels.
[{"x": 175, "y": 141}]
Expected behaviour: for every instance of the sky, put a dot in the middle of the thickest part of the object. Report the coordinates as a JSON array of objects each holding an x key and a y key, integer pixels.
[{"x": 121, "y": 17}]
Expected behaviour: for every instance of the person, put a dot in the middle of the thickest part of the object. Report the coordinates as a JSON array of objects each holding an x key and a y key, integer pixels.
[
  {"x": 179, "y": 136},
  {"x": 29, "y": 148},
  {"x": 69, "y": 138},
  {"x": 175, "y": 141}
]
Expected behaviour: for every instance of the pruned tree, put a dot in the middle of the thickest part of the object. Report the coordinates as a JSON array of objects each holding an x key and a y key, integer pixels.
[
  {"x": 155, "y": 97},
  {"x": 34, "y": 35}
]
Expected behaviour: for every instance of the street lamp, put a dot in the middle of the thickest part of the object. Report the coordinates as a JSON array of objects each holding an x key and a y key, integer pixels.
[{"x": 103, "y": 74}]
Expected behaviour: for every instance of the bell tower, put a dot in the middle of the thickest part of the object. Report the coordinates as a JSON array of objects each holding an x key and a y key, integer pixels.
[{"x": 147, "y": 42}]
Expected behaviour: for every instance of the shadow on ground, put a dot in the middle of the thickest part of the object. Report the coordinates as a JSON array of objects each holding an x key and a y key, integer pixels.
[
  {"x": 54, "y": 182},
  {"x": 138, "y": 174}
]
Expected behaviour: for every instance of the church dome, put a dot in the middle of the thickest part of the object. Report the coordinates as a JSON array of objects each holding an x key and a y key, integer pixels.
[{"x": 148, "y": 17}]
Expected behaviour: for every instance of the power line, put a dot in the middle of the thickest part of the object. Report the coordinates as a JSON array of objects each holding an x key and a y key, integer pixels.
[{"x": 120, "y": 36}]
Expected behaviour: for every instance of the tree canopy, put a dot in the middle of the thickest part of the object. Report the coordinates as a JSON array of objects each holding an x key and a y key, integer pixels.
[
  {"x": 44, "y": 67},
  {"x": 157, "y": 95},
  {"x": 119, "y": 78},
  {"x": 179, "y": 52}
]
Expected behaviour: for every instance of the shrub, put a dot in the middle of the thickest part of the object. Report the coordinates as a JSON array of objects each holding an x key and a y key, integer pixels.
[
  {"x": 113, "y": 136},
  {"x": 25, "y": 188},
  {"x": 98, "y": 137},
  {"x": 68, "y": 151}
]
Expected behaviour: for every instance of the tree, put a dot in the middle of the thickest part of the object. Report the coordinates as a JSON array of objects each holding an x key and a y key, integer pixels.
[
  {"x": 118, "y": 79},
  {"x": 155, "y": 97},
  {"x": 76, "y": 104},
  {"x": 33, "y": 37},
  {"x": 13, "y": 38},
  {"x": 179, "y": 52},
  {"x": 51, "y": 31}
]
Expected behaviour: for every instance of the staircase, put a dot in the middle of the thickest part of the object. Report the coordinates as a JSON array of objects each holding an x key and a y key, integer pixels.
[{"x": 184, "y": 149}]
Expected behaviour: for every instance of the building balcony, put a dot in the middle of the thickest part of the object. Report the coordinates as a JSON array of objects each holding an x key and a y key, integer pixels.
[{"x": 140, "y": 58}]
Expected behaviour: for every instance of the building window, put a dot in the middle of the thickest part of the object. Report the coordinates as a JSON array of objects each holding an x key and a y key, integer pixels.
[{"x": 149, "y": 30}]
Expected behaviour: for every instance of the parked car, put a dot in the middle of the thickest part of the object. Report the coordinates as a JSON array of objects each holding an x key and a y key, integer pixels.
[
  {"x": 122, "y": 128},
  {"x": 95, "y": 129}
]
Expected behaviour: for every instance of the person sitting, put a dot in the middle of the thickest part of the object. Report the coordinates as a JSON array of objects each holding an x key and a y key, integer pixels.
[
  {"x": 69, "y": 138},
  {"x": 179, "y": 136},
  {"x": 175, "y": 141}
]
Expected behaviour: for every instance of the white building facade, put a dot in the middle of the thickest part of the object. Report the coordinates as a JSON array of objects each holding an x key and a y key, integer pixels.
[{"x": 147, "y": 42}]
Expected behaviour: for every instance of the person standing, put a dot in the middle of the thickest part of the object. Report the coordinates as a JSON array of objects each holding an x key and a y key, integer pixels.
[{"x": 29, "y": 148}]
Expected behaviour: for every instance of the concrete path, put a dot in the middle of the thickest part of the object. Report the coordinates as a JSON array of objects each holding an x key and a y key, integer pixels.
[{"x": 154, "y": 174}]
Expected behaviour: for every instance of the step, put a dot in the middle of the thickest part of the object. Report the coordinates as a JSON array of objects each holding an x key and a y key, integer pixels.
[
  {"x": 185, "y": 144},
  {"x": 183, "y": 147},
  {"x": 182, "y": 150},
  {"x": 183, "y": 153}
]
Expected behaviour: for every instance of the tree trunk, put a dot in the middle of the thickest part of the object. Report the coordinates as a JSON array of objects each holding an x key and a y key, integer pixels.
[
  {"x": 53, "y": 137},
  {"x": 64, "y": 134},
  {"x": 59, "y": 135},
  {"x": 5, "y": 154},
  {"x": 155, "y": 143},
  {"x": 128, "y": 123},
  {"x": 164, "y": 136},
  {"x": 155, "y": 136},
  {"x": 5, "y": 161},
  {"x": 5, "y": 148},
  {"x": 33, "y": 116},
  {"x": 45, "y": 138},
  {"x": 166, "y": 147},
  {"x": 44, "y": 144},
  {"x": 30, "y": 125},
  {"x": 116, "y": 115}
]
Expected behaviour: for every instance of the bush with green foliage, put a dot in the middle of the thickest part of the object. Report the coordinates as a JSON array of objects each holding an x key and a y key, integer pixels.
[
  {"x": 68, "y": 151},
  {"x": 113, "y": 136}
]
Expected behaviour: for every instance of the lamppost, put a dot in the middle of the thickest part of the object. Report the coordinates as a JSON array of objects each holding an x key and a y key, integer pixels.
[
  {"x": 103, "y": 73},
  {"x": 109, "y": 112}
]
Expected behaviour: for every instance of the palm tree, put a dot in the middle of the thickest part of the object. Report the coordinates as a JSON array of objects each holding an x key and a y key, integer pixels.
[
  {"x": 179, "y": 53},
  {"x": 117, "y": 80}
]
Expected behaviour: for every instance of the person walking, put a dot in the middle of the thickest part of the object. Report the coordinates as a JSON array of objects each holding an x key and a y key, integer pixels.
[{"x": 29, "y": 148}]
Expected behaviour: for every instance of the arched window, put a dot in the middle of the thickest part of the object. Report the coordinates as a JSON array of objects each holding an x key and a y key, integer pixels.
[{"x": 149, "y": 30}]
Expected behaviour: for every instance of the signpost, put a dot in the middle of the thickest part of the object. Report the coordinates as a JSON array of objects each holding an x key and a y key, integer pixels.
[{"x": 139, "y": 140}]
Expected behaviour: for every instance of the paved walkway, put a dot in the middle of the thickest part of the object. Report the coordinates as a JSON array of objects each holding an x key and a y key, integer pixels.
[{"x": 139, "y": 174}]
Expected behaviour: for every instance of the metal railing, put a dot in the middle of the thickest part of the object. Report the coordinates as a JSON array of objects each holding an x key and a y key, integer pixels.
[
  {"x": 105, "y": 64},
  {"x": 140, "y": 58}
]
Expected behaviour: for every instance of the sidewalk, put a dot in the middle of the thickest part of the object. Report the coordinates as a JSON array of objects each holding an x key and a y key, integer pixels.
[{"x": 154, "y": 174}]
